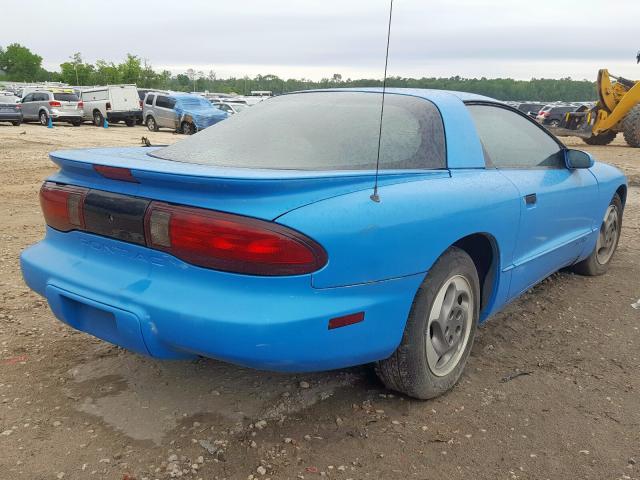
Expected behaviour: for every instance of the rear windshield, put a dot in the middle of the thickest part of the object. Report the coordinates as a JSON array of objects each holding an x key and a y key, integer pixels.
[
  {"x": 66, "y": 97},
  {"x": 321, "y": 131}
]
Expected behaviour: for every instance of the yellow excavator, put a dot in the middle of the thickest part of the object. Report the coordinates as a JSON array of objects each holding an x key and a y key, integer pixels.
[{"x": 617, "y": 110}]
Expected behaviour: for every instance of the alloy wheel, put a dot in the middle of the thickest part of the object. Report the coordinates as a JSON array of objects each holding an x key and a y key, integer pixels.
[
  {"x": 449, "y": 325},
  {"x": 608, "y": 236}
]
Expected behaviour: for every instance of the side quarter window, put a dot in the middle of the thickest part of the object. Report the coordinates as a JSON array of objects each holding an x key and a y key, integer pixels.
[{"x": 512, "y": 141}]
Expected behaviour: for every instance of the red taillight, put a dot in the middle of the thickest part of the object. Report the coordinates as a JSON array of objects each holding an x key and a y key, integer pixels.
[
  {"x": 140, "y": 103},
  {"x": 54, "y": 103},
  {"x": 18, "y": 106},
  {"x": 80, "y": 104},
  {"x": 108, "y": 106},
  {"x": 116, "y": 173},
  {"x": 230, "y": 242},
  {"x": 62, "y": 206}
]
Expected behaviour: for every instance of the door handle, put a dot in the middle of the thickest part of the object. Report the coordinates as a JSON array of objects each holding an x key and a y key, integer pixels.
[{"x": 530, "y": 199}]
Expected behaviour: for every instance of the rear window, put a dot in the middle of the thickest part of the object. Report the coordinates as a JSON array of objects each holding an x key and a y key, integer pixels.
[
  {"x": 321, "y": 131},
  {"x": 65, "y": 97}
]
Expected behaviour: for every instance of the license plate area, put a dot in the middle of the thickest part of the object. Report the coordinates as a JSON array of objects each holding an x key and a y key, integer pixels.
[{"x": 98, "y": 319}]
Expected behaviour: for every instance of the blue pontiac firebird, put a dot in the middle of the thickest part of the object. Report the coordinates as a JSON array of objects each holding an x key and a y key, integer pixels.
[{"x": 257, "y": 241}]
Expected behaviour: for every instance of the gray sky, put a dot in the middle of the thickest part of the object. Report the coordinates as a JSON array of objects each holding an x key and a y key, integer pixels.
[{"x": 316, "y": 38}]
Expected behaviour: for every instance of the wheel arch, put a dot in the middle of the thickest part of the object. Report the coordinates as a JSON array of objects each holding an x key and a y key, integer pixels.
[
  {"x": 622, "y": 193},
  {"x": 483, "y": 249}
]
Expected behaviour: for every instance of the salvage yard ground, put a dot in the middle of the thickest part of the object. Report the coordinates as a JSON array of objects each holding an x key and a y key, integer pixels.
[{"x": 551, "y": 390}]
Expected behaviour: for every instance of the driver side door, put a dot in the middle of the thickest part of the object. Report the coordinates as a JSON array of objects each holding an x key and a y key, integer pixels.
[{"x": 556, "y": 203}]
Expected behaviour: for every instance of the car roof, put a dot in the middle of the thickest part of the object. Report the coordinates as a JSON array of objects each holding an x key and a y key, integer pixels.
[{"x": 429, "y": 94}]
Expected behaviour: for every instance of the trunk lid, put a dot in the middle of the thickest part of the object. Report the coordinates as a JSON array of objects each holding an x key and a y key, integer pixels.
[{"x": 265, "y": 194}]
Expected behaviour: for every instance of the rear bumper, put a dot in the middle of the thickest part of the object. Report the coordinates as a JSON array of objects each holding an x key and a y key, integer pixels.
[
  {"x": 154, "y": 304},
  {"x": 7, "y": 116},
  {"x": 62, "y": 116},
  {"x": 120, "y": 116}
]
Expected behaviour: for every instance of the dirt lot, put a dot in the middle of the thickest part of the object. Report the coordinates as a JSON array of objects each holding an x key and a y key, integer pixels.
[{"x": 74, "y": 407}]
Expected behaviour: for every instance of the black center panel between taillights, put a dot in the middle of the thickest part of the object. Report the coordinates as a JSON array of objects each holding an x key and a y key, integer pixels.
[
  {"x": 206, "y": 238},
  {"x": 115, "y": 215}
]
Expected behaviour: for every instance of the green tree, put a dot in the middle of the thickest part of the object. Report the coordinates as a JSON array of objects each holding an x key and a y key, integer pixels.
[
  {"x": 77, "y": 72},
  {"x": 130, "y": 69},
  {"x": 20, "y": 64}
]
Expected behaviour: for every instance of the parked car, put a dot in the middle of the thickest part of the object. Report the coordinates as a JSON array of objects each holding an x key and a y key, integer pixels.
[
  {"x": 116, "y": 103},
  {"x": 8, "y": 97},
  {"x": 273, "y": 241},
  {"x": 10, "y": 111},
  {"x": 230, "y": 107},
  {"x": 181, "y": 112},
  {"x": 59, "y": 105},
  {"x": 531, "y": 109},
  {"x": 553, "y": 115}
]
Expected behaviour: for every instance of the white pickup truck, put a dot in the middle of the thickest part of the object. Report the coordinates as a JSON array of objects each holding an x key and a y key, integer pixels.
[{"x": 114, "y": 102}]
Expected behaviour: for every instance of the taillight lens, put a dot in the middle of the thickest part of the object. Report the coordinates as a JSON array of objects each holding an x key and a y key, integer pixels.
[
  {"x": 62, "y": 206},
  {"x": 18, "y": 106},
  {"x": 108, "y": 106},
  {"x": 54, "y": 103},
  {"x": 80, "y": 104},
  {"x": 229, "y": 242}
]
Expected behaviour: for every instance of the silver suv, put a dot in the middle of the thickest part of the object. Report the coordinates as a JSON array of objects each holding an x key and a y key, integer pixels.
[{"x": 59, "y": 105}]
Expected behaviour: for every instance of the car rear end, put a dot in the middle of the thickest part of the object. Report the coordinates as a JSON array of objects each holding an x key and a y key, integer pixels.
[
  {"x": 543, "y": 114},
  {"x": 174, "y": 253},
  {"x": 124, "y": 104},
  {"x": 65, "y": 106},
  {"x": 10, "y": 111}
]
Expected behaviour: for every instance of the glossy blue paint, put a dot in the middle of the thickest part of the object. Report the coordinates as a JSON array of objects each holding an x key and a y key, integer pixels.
[{"x": 379, "y": 253}]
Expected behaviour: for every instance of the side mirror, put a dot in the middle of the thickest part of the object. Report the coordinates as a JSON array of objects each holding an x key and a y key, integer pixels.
[{"x": 577, "y": 159}]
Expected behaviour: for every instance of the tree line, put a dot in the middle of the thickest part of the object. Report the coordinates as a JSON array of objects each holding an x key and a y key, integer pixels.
[{"x": 18, "y": 63}]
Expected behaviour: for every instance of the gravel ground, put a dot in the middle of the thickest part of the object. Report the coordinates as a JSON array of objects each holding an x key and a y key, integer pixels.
[{"x": 549, "y": 392}]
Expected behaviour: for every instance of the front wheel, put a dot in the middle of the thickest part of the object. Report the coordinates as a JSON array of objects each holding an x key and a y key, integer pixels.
[
  {"x": 597, "y": 263},
  {"x": 188, "y": 128},
  {"x": 439, "y": 332},
  {"x": 631, "y": 127}
]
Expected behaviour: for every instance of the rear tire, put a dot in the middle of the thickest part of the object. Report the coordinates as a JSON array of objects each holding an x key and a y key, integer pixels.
[
  {"x": 554, "y": 123},
  {"x": 151, "y": 124},
  {"x": 130, "y": 122},
  {"x": 76, "y": 123},
  {"x": 16, "y": 123},
  {"x": 44, "y": 118},
  {"x": 604, "y": 138},
  {"x": 631, "y": 127},
  {"x": 445, "y": 309},
  {"x": 597, "y": 263},
  {"x": 98, "y": 119}
]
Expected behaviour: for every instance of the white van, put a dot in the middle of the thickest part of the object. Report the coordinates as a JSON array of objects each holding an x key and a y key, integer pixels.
[{"x": 113, "y": 102}]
